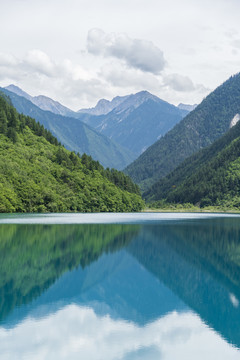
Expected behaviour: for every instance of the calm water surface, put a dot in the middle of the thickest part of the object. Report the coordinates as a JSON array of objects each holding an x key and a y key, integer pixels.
[{"x": 120, "y": 287}]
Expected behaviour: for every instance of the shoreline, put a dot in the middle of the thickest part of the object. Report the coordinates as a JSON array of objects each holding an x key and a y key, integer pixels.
[{"x": 193, "y": 210}]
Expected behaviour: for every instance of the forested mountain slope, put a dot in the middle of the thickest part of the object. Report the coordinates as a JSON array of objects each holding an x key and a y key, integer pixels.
[
  {"x": 37, "y": 174},
  {"x": 209, "y": 121},
  {"x": 75, "y": 135},
  {"x": 209, "y": 177}
]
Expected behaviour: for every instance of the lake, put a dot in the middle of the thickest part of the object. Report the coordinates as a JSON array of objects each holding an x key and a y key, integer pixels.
[{"x": 120, "y": 286}]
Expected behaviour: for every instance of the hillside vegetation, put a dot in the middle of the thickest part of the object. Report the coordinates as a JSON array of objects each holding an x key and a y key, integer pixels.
[
  {"x": 200, "y": 128},
  {"x": 75, "y": 135},
  {"x": 37, "y": 174},
  {"x": 209, "y": 178}
]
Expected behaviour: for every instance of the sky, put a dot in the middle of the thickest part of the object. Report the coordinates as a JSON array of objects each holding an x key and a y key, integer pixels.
[{"x": 79, "y": 51}]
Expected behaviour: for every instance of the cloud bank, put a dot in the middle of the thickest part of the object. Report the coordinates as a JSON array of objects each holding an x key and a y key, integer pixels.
[
  {"x": 117, "y": 65},
  {"x": 179, "y": 83},
  {"x": 137, "y": 53}
]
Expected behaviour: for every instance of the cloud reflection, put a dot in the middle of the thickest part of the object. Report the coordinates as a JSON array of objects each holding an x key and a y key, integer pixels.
[{"x": 77, "y": 332}]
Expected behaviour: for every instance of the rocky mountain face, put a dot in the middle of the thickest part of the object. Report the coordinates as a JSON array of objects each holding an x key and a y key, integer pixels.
[
  {"x": 43, "y": 102},
  {"x": 137, "y": 121},
  {"x": 104, "y": 106}
]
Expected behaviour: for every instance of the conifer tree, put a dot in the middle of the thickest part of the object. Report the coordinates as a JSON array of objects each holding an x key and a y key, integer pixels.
[{"x": 3, "y": 122}]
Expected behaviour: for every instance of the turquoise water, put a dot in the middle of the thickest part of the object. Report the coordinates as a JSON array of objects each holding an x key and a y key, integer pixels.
[{"x": 120, "y": 286}]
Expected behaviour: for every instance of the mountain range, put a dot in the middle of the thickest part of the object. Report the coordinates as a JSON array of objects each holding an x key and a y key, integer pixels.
[
  {"x": 194, "y": 162},
  {"x": 137, "y": 121},
  {"x": 74, "y": 134},
  {"x": 43, "y": 102},
  {"x": 104, "y": 106},
  {"x": 133, "y": 121},
  {"x": 200, "y": 128},
  {"x": 39, "y": 175}
]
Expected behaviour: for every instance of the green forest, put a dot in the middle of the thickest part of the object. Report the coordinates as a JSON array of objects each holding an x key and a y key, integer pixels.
[
  {"x": 74, "y": 134},
  {"x": 39, "y": 175},
  {"x": 211, "y": 177},
  {"x": 199, "y": 129}
]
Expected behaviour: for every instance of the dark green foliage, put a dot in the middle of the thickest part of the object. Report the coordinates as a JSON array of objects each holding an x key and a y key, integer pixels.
[
  {"x": 12, "y": 134},
  {"x": 210, "y": 177},
  {"x": 209, "y": 121},
  {"x": 37, "y": 174},
  {"x": 118, "y": 178},
  {"x": 13, "y": 118},
  {"x": 3, "y": 122},
  {"x": 121, "y": 180}
]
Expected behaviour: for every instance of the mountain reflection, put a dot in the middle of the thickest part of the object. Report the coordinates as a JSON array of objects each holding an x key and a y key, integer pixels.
[
  {"x": 200, "y": 262},
  {"x": 139, "y": 273},
  {"x": 32, "y": 257}
]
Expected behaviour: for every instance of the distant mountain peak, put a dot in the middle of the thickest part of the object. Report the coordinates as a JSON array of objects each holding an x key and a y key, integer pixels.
[
  {"x": 138, "y": 121},
  {"x": 102, "y": 102},
  {"x": 42, "y": 101},
  {"x": 120, "y": 103},
  {"x": 104, "y": 106},
  {"x": 15, "y": 89},
  {"x": 187, "y": 107}
]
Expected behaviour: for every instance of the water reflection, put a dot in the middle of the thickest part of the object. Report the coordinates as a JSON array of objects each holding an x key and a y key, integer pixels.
[
  {"x": 141, "y": 291},
  {"x": 32, "y": 257},
  {"x": 77, "y": 332},
  {"x": 200, "y": 262}
]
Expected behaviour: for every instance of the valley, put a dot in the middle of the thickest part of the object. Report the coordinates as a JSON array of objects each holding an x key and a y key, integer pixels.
[{"x": 184, "y": 160}]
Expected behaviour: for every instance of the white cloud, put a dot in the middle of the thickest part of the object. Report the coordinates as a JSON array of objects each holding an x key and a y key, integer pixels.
[
  {"x": 7, "y": 60},
  {"x": 236, "y": 43},
  {"x": 188, "y": 42},
  {"x": 123, "y": 77},
  {"x": 137, "y": 53},
  {"x": 77, "y": 85},
  {"x": 40, "y": 62},
  {"x": 76, "y": 332},
  {"x": 179, "y": 83},
  {"x": 69, "y": 83}
]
